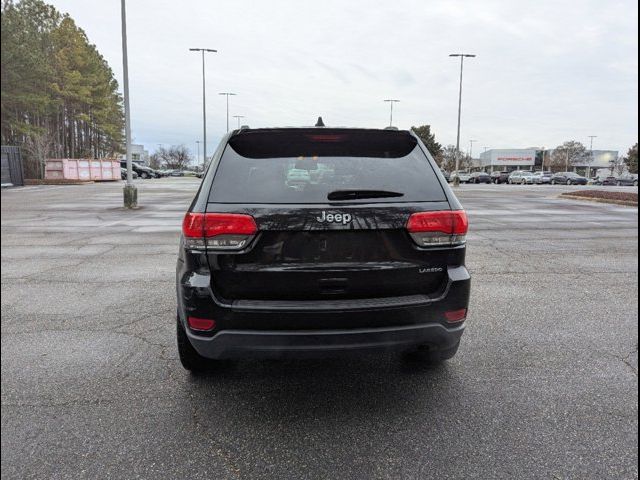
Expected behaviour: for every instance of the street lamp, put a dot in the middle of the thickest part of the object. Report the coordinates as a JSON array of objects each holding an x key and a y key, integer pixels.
[
  {"x": 462, "y": 56},
  {"x": 204, "y": 98},
  {"x": 238, "y": 117},
  {"x": 391, "y": 101},
  {"x": 471, "y": 142},
  {"x": 591, "y": 137},
  {"x": 130, "y": 192},
  {"x": 227, "y": 94}
]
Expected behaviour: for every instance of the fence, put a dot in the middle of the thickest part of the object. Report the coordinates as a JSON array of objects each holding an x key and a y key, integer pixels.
[{"x": 11, "y": 166}]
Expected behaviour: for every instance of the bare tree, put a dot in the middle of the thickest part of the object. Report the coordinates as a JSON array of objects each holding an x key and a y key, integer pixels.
[
  {"x": 567, "y": 155},
  {"x": 176, "y": 157},
  {"x": 37, "y": 144},
  {"x": 446, "y": 159},
  {"x": 618, "y": 165},
  {"x": 155, "y": 161}
]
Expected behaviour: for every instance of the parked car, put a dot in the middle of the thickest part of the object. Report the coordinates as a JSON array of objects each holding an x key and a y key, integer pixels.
[
  {"x": 446, "y": 175},
  {"x": 542, "y": 178},
  {"x": 176, "y": 173},
  {"x": 123, "y": 173},
  {"x": 141, "y": 170},
  {"x": 480, "y": 177},
  {"x": 628, "y": 180},
  {"x": 463, "y": 176},
  {"x": 258, "y": 277},
  {"x": 568, "y": 178},
  {"x": 500, "y": 177},
  {"x": 604, "y": 181},
  {"x": 520, "y": 177}
]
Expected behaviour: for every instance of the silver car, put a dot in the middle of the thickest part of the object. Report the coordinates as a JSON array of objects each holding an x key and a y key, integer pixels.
[
  {"x": 521, "y": 177},
  {"x": 542, "y": 178}
]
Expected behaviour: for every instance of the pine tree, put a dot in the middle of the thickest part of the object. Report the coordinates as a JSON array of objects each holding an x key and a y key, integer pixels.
[{"x": 58, "y": 92}]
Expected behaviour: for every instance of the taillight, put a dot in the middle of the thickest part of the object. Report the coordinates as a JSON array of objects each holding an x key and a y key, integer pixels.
[
  {"x": 455, "y": 316},
  {"x": 201, "y": 324},
  {"x": 442, "y": 228},
  {"x": 218, "y": 231}
]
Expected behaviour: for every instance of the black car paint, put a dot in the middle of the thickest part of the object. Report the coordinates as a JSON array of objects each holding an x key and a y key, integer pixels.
[
  {"x": 301, "y": 275},
  {"x": 480, "y": 177},
  {"x": 141, "y": 170},
  {"x": 564, "y": 179},
  {"x": 500, "y": 177}
]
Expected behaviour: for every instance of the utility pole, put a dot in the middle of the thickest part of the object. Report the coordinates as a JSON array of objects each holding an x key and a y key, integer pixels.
[
  {"x": 471, "y": 142},
  {"x": 591, "y": 137},
  {"x": 391, "y": 101},
  {"x": 227, "y": 94},
  {"x": 204, "y": 99},
  {"x": 456, "y": 180},
  {"x": 130, "y": 192},
  {"x": 238, "y": 117}
]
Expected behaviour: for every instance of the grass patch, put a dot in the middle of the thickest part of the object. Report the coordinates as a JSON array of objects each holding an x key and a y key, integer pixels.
[{"x": 621, "y": 198}]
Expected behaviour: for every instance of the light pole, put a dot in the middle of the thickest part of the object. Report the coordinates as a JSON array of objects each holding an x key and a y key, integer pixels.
[
  {"x": 204, "y": 99},
  {"x": 227, "y": 94},
  {"x": 591, "y": 137},
  {"x": 238, "y": 117},
  {"x": 130, "y": 192},
  {"x": 471, "y": 142},
  {"x": 391, "y": 101},
  {"x": 542, "y": 168},
  {"x": 462, "y": 56}
]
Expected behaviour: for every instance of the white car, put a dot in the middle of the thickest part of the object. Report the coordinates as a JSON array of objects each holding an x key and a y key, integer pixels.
[{"x": 462, "y": 175}]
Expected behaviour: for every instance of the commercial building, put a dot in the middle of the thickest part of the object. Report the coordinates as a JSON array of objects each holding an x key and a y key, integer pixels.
[
  {"x": 594, "y": 161},
  {"x": 510, "y": 159},
  {"x": 138, "y": 155}
]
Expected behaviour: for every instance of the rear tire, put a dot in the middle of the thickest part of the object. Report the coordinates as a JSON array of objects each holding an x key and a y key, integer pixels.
[
  {"x": 190, "y": 359},
  {"x": 427, "y": 355}
]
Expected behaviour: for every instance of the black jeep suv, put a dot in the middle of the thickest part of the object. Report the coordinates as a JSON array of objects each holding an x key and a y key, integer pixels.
[{"x": 316, "y": 240}]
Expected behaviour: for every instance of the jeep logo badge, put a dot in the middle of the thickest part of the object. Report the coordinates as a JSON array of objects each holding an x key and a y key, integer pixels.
[{"x": 342, "y": 218}]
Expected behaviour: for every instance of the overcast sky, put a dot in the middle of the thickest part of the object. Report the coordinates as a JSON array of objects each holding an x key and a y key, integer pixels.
[{"x": 545, "y": 72}]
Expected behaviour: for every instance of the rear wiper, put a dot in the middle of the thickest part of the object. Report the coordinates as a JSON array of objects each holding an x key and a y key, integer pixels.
[{"x": 357, "y": 194}]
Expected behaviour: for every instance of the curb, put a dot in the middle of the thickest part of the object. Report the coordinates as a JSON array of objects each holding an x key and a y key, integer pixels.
[
  {"x": 35, "y": 181},
  {"x": 626, "y": 203}
]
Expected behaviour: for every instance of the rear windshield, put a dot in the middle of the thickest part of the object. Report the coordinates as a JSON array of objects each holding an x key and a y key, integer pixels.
[{"x": 305, "y": 166}]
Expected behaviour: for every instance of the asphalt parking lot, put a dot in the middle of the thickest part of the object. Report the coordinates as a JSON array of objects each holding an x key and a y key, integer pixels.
[{"x": 545, "y": 384}]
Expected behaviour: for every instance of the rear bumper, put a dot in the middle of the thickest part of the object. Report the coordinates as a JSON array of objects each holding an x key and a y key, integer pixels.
[
  {"x": 276, "y": 328},
  {"x": 273, "y": 343}
]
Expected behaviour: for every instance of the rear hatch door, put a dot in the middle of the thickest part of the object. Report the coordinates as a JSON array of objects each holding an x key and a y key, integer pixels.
[{"x": 331, "y": 207}]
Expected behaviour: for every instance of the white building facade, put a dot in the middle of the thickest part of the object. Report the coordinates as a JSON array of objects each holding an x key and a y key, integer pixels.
[
  {"x": 138, "y": 155},
  {"x": 508, "y": 159}
]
